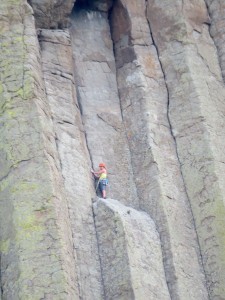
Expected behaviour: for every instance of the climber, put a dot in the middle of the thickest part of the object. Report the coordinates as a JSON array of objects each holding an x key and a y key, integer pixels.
[{"x": 103, "y": 181}]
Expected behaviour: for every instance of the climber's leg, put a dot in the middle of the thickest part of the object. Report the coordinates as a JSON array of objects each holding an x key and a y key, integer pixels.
[{"x": 102, "y": 187}]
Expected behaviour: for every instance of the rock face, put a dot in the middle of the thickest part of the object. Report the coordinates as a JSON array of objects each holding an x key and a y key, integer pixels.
[
  {"x": 216, "y": 11},
  {"x": 37, "y": 258},
  {"x": 196, "y": 95},
  {"x": 52, "y": 14},
  {"x": 160, "y": 187},
  {"x": 95, "y": 70},
  {"x": 130, "y": 253},
  {"x": 138, "y": 85}
]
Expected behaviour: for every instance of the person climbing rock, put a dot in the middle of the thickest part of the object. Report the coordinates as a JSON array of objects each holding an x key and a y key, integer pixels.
[{"x": 103, "y": 181}]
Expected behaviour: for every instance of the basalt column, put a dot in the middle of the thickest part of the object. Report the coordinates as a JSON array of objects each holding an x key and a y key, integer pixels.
[
  {"x": 130, "y": 252},
  {"x": 57, "y": 61},
  {"x": 216, "y": 10},
  {"x": 196, "y": 112},
  {"x": 95, "y": 76},
  {"x": 158, "y": 178},
  {"x": 35, "y": 238}
]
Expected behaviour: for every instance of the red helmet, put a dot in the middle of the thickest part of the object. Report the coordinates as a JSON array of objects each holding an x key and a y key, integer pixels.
[{"x": 102, "y": 165}]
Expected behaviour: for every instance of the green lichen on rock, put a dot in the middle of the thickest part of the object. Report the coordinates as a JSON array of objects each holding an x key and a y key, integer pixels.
[
  {"x": 4, "y": 246},
  {"x": 23, "y": 186},
  {"x": 29, "y": 230},
  {"x": 30, "y": 236}
]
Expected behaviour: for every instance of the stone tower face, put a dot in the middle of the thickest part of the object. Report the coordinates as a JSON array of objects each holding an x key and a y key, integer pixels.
[{"x": 138, "y": 85}]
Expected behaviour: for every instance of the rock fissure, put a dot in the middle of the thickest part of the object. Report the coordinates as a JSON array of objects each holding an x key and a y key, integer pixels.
[
  {"x": 183, "y": 97},
  {"x": 128, "y": 79},
  {"x": 177, "y": 155},
  {"x": 216, "y": 23},
  {"x": 106, "y": 122},
  {"x": 122, "y": 113}
]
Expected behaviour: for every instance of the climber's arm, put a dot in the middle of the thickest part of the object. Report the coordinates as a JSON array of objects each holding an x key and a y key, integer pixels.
[{"x": 97, "y": 173}]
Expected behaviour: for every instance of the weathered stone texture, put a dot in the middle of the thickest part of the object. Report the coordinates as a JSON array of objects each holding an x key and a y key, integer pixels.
[
  {"x": 99, "y": 101},
  {"x": 216, "y": 11},
  {"x": 136, "y": 84},
  {"x": 161, "y": 190},
  {"x": 52, "y": 13},
  {"x": 35, "y": 236},
  {"x": 130, "y": 253},
  {"x": 196, "y": 113},
  {"x": 74, "y": 158}
]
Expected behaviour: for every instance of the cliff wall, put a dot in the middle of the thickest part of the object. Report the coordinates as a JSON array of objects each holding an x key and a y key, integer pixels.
[{"x": 138, "y": 85}]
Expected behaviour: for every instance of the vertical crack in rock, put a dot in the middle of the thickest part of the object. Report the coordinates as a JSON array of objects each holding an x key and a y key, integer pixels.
[
  {"x": 190, "y": 64},
  {"x": 92, "y": 164},
  {"x": 85, "y": 133},
  {"x": 144, "y": 103},
  {"x": 121, "y": 63},
  {"x": 216, "y": 24},
  {"x": 169, "y": 275},
  {"x": 75, "y": 161},
  {"x": 100, "y": 262},
  {"x": 198, "y": 250}
]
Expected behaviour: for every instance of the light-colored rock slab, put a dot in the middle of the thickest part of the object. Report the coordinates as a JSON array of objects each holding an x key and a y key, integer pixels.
[
  {"x": 156, "y": 167},
  {"x": 196, "y": 111},
  {"x": 130, "y": 253},
  {"x": 98, "y": 97}
]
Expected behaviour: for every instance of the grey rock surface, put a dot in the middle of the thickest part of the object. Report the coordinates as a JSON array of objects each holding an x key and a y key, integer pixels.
[
  {"x": 216, "y": 10},
  {"x": 95, "y": 76},
  {"x": 130, "y": 253},
  {"x": 74, "y": 160},
  {"x": 138, "y": 85},
  {"x": 35, "y": 234},
  {"x": 196, "y": 112},
  {"x": 144, "y": 102}
]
